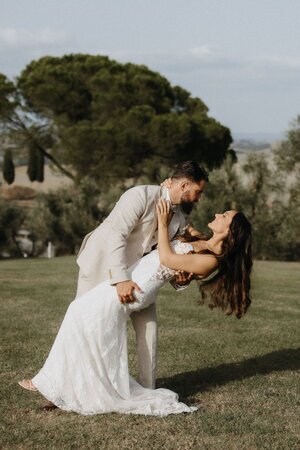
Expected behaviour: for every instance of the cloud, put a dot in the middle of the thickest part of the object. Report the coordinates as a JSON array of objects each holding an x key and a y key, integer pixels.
[
  {"x": 287, "y": 63},
  {"x": 203, "y": 56},
  {"x": 208, "y": 58},
  {"x": 202, "y": 50},
  {"x": 19, "y": 46},
  {"x": 20, "y": 38}
]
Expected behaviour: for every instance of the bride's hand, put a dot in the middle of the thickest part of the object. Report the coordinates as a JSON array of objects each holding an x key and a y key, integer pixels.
[{"x": 163, "y": 212}]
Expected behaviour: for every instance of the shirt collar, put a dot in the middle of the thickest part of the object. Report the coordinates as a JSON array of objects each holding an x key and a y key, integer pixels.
[{"x": 166, "y": 196}]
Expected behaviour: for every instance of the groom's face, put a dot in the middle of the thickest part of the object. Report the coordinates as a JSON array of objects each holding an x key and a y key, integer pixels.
[{"x": 191, "y": 194}]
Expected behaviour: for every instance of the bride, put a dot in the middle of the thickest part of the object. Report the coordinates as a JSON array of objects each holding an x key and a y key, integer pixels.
[{"x": 87, "y": 368}]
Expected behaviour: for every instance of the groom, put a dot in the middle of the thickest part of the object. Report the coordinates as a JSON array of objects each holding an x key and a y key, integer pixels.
[{"x": 128, "y": 233}]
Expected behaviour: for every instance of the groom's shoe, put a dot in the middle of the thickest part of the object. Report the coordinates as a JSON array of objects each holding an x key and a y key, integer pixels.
[{"x": 48, "y": 406}]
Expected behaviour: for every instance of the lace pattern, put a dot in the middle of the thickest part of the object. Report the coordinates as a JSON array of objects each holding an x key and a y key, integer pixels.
[{"x": 163, "y": 273}]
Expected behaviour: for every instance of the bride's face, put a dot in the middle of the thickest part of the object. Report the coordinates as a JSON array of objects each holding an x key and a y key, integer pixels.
[{"x": 221, "y": 222}]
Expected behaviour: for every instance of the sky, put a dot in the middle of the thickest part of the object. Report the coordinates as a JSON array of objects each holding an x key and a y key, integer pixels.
[{"x": 241, "y": 57}]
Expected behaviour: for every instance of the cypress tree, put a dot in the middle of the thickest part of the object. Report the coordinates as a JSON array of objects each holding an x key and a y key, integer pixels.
[
  {"x": 32, "y": 167},
  {"x": 8, "y": 167},
  {"x": 40, "y": 166}
]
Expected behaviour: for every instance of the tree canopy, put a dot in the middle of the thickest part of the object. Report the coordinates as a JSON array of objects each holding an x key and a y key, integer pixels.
[
  {"x": 288, "y": 153},
  {"x": 95, "y": 117}
]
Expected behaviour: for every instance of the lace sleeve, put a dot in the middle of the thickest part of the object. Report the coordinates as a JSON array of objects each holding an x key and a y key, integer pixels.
[{"x": 150, "y": 288}]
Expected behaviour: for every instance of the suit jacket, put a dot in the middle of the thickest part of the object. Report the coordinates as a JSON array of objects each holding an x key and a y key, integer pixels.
[{"x": 126, "y": 235}]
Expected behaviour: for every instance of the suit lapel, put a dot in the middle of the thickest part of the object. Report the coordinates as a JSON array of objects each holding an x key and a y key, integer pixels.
[
  {"x": 174, "y": 224},
  {"x": 155, "y": 221}
]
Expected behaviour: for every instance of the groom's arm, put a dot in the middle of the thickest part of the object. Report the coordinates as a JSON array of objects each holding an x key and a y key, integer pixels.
[{"x": 181, "y": 281}]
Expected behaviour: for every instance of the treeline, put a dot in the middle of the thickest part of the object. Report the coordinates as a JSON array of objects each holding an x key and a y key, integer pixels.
[
  {"x": 106, "y": 125},
  {"x": 268, "y": 192},
  {"x": 269, "y": 197}
]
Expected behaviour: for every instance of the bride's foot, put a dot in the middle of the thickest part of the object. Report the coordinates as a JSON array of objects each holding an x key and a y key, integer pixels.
[{"x": 28, "y": 384}]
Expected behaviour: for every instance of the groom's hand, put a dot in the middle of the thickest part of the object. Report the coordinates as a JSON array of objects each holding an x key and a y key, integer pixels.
[
  {"x": 166, "y": 183},
  {"x": 182, "y": 278},
  {"x": 125, "y": 291}
]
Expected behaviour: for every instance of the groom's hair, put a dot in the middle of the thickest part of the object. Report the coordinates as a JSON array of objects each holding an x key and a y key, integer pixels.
[{"x": 190, "y": 170}]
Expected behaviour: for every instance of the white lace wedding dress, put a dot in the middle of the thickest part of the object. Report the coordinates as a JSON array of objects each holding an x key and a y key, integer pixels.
[{"x": 87, "y": 368}]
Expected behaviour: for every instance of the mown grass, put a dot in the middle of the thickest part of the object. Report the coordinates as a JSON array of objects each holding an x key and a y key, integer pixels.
[{"x": 243, "y": 374}]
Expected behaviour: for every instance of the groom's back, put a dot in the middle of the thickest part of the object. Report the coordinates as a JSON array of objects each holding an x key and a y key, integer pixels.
[
  {"x": 138, "y": 199},
  {"x": 130, "y": 225}
]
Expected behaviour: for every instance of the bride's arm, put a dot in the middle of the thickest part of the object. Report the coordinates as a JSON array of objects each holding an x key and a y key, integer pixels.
[{"x": 198, "y": 264}]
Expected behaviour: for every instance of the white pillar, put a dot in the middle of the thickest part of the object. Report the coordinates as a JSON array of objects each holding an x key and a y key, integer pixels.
[{"x": 49, "y": 250}]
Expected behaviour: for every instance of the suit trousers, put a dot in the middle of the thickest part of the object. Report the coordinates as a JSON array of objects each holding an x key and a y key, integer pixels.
[{"x": 145, "y": 326}]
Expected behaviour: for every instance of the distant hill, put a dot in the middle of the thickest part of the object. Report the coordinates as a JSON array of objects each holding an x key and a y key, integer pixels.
[
  {"x": 258, "y": 137},
  {"x": 244, "y": 144},
  {"x": 249, "y": 144}
]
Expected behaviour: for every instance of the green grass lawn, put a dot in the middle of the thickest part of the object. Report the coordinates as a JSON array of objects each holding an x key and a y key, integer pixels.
[{"x": 243, "y": 374}]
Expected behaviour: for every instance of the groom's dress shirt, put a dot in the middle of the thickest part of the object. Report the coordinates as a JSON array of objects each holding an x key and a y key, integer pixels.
[
  {"x": 126, "y": 235},
  {"x": 166, "y": 196}
]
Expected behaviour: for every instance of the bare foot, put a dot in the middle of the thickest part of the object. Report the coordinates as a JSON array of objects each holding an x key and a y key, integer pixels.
[{"x": 28, "y": 385}]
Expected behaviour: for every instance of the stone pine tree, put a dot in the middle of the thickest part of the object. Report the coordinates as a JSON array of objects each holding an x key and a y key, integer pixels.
[
  {"x": 8, "y": 167},
  {"x": 92, "y": 116}
]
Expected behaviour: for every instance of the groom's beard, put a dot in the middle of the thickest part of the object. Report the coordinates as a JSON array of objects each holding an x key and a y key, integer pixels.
[
  {"x": 186, "y": 204},
  {"x": 187, "y": 207}
]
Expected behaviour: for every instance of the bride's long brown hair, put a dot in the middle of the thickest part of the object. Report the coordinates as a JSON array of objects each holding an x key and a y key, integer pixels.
[{"x": 229, "y": 288}]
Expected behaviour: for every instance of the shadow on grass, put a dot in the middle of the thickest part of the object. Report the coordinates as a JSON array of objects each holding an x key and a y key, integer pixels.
[{"x": 190, "y": 383}]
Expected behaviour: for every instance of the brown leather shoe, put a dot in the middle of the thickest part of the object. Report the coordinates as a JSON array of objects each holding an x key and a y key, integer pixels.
[{"x": 48, "y": 406}]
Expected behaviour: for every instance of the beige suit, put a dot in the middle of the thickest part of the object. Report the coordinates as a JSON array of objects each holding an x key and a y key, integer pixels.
[{"x": 126, "y": 235}]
